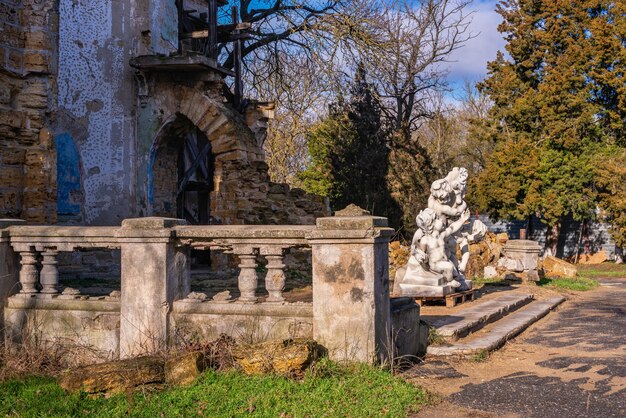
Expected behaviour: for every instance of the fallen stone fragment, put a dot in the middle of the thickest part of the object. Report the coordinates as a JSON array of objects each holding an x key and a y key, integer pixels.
[
  {"x": 114, "y": 377},
  {"x": 288, "y": 358},
  {"x": 184, "y": 369},
  {"x": 555, "y": 267}
]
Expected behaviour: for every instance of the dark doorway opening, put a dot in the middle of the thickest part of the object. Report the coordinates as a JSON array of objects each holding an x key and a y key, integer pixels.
[
  {"x": 195, "y": 178},
  {"x": 182, "y": 173}
]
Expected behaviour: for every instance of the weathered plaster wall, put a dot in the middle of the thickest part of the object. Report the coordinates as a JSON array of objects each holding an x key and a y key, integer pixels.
[
  {"x": 79, "y": 132},
  {"x": 88, "y": 331},
  {"x": 27, "y": 91},
  {"x": 95, "y": 103}
]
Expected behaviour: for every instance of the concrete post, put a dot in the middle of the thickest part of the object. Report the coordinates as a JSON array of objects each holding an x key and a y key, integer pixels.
[
  {"x": 155, "y": 272},
  {"x": 9, "y": 268},
  {"x": 351, "y": 307}
]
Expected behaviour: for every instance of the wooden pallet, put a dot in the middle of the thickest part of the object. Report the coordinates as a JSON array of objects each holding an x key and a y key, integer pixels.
[{"x": 451, "y": 300}]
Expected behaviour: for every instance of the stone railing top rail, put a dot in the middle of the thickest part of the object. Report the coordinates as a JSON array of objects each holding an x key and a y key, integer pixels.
[
  {"x": 62, "y": 238},
  {"x": 243, "y": 231},
  {"x": 63, "y": 231},
  {"x": 284, "y": 235}
]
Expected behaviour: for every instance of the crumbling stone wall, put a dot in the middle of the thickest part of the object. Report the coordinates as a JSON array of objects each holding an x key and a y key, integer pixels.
[
  {"x": 27, "y": 99},
  {"x": 242, "y": 191},
  {"x": 70, "y": 100}
]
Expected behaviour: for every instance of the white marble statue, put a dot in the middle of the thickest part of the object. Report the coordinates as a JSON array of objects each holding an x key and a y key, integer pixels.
[{"x": 433, "y": 268}]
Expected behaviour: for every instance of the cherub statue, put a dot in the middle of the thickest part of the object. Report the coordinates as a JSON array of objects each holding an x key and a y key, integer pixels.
[
  {"x": 443, "y": 200},
  {"x": 430, "y": 247},
  {"x": 433, "y": 268}
]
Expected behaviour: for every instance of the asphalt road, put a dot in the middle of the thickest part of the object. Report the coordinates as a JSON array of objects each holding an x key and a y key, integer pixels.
[{"x": 571, "y": 364}]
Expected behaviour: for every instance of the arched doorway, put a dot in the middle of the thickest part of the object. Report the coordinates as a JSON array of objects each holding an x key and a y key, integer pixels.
[{"x": 182, "y": 172}]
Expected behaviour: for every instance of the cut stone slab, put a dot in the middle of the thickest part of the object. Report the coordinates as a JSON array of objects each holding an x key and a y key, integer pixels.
[
  {"x": 555, "y": 267},
  {"x": 416, "y": 290},
  {"x": 497, "y": 335},
  {"x": 477, "y": 316}
]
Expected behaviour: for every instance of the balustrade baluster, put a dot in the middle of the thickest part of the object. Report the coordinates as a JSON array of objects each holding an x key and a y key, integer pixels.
[
  {"x": 248, "y": 279},
  {"x": 49, "y": 276},
  {"x": 275, "y": 278},
  {"x": 29, "y": 275}
]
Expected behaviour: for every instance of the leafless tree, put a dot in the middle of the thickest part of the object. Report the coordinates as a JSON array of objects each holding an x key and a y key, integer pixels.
[
  {"x": 300, "y": 95},
  {"x": 419, "y": 37}
]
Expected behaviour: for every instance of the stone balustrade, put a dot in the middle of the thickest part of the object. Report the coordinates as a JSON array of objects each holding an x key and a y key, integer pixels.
[
  {"x": 350, "y": 312},
  {"x": 40, "y": 245},
  {"x": 247, "y": 242}
]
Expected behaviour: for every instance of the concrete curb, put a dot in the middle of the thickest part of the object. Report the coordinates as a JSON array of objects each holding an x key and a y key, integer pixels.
[
  {"x": 500, "y": 333},
  {"x": 477, "y": 316}
]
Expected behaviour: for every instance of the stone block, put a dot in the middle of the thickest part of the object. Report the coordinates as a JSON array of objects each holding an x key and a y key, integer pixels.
[
  {"x": 351, "y": 288},
  {"x": 490, "y": 272},
  {"x": 15, "y": 60},
  {"x": 555, "y": 267},
  {"x": 13, "y": 36},
  {"x": 9, "y": 13},
  {"x": 38, "y": 40},
  {"x": 531, "y": 275},
  {"x": 12, "y": 156},
  {"x": 114, "y": 377},
  {"x": 10, "y": 201},
  {"x": 425, "y": 291},
  {"x": 287, "y": 358},
  {"x": 597, "y": 258},
  {"x": 513, "y": 265},
  {"x": 152, "y": 223},
  {"x": 407, "y": 332},
  {"x": 37, "y": 62}
]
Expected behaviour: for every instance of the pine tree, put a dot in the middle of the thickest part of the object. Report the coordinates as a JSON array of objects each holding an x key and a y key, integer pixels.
[
  {"x": 350, "y": 154},
  {"x": 558, "y": 101}
]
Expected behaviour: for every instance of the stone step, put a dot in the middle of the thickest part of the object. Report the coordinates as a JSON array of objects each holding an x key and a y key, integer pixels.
[
  {"x": 477, "y": 316},
  {"x": 497, "y": 334}
]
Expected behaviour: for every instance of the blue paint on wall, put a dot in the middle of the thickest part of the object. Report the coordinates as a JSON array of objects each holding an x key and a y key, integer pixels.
[{"x": 68, "y": 176}]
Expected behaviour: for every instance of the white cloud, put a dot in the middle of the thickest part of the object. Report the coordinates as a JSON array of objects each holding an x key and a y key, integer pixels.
[{"x": 470, "y": 61}]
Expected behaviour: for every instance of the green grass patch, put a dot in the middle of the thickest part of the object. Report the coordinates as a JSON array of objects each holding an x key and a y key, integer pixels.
[
  {"x": 478, "y": 282},
  {"x": 328, "y": 390},
  {"x": 579, "y": 284},
  {"x": 604, "y": 270},
  {"x": 480, "y": 356}
]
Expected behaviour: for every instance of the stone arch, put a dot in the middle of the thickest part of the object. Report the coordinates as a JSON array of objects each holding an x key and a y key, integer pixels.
[{"x": 234, "y": 150}]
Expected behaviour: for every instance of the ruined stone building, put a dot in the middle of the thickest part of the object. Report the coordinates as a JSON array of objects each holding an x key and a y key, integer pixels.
[{"x": 106, "y": 114}]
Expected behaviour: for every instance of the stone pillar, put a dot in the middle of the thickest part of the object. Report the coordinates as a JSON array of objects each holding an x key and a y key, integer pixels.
[
  {"x": 49, "y": 276},
  {"x": 9, "y": 267},
  {"x": 275, "y": 278},
  {"x": 248, "y": 278},
  {"x": 155, "y": 272},
  {"x": 29, "y": 274},
  {"x": 351, "y": 307}
]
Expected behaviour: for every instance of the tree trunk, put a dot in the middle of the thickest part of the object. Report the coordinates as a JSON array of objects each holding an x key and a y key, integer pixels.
[
  {"x": 552, "y": 239},
  {"x": 619, "y": 255}
]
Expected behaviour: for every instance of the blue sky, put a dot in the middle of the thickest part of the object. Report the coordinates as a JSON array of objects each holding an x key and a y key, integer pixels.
[{"x": 470, "y": 61}]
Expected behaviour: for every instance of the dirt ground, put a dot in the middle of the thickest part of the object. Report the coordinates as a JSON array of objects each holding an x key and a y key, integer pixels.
[{"x": 570, "y": 364}]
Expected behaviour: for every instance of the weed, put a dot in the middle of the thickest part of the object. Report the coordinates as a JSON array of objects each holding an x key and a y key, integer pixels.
[
  {"x": 480, "y": 356},
  {"x": 434, "y": 338}
]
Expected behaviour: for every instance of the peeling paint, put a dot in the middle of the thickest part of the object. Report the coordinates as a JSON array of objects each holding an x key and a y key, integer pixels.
[{"x": 91, "y": 85}]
